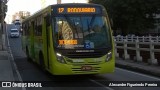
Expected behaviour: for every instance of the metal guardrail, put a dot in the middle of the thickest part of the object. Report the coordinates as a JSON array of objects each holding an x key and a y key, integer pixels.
[
  {"x": 150, "y": 41},
  {"x": 140, "y": 38}
]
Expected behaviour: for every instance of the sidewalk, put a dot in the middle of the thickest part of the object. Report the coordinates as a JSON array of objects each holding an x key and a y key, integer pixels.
[
  {"x": 7, "y": 66},
  {"x": 6, "y": 71},
  {"x": 139, "y": 67}
]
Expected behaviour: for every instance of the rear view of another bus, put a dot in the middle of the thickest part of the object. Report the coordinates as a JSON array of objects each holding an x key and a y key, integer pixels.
[{"x": 82, "y": 39}]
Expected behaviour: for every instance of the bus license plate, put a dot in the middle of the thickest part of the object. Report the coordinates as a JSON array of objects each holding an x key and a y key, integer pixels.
[{"x": 86, "y": 68}]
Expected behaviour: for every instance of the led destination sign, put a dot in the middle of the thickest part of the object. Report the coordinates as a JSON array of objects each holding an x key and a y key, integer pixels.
[{"x": 78, "y": 10}]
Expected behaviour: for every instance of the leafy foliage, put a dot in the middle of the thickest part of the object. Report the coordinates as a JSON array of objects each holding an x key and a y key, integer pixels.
[{"x": 131, "y": 16}]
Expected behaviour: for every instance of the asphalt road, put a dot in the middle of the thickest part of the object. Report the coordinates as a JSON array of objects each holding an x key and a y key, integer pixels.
[{"x": 32, "y": 72}]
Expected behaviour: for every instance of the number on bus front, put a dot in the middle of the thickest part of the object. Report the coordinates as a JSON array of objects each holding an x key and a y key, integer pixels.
[{"x": 60, "y": 10}]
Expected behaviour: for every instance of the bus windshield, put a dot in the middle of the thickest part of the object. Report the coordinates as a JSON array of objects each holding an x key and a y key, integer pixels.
[
  {"x": 14, "y": 30},
  {"x": 82, "y": 32}
]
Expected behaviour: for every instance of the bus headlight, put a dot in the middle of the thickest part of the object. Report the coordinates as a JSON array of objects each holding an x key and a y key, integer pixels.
[
  {"x": 109, "y": 56},
  {"x": 60, "y": 58}
]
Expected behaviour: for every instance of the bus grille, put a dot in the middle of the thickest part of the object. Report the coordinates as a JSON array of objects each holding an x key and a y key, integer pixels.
[
  {"x": 85, "y": 54},
  {"x": 73, "y": 53}
]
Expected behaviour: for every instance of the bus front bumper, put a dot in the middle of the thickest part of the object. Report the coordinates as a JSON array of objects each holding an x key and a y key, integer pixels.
[{"x": 65, "y": 69}]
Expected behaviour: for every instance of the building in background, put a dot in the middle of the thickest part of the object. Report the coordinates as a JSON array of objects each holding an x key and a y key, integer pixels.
[{"x": 20, "y": 15}]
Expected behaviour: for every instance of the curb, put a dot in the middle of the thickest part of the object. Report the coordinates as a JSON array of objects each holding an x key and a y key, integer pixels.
[
  {"x": 16, "y": 74},
  {"x": 138, "y": 69}
]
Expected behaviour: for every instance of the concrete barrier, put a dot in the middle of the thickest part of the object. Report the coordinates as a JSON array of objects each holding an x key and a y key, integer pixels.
[{"x": 123, "y": 45}]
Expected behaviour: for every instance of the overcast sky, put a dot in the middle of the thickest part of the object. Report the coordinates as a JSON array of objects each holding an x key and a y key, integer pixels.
[
  {"x": 29, "y": 5},
  {"x": 23, "y": 5}
]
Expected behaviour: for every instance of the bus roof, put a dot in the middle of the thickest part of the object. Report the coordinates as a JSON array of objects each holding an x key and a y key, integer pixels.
[{"x": 75, "y": 4}]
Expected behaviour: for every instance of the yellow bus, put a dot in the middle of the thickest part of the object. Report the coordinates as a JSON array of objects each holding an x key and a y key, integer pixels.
[{"x": 68, "y": 39}]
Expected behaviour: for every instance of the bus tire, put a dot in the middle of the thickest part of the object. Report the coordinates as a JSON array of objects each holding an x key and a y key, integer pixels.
[
  {"x": 28, "y": 57},
  {"x": 41, "y": 61}
]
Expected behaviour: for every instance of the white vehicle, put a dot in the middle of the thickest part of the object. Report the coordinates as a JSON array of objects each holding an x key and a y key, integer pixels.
[
  {"x": 14, "y": 33},
  {"x": 17, "y": 22}
]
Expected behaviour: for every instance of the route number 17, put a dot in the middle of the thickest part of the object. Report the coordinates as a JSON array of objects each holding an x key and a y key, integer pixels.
[{"x": 60, "y": 10}]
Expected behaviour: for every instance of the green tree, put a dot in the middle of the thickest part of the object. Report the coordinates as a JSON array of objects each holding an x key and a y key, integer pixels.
[{"x": 131, "y": 16}]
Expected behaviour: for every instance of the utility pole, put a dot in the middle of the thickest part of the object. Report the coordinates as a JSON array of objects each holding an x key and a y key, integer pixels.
[{"x": 58, "y": 1}]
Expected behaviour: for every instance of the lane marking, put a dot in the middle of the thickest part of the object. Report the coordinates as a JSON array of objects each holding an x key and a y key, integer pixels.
[
  {"x": 108, "y": 88},
  {"x": 12, "y": 58},
  {"x": 139, "y": 74}
]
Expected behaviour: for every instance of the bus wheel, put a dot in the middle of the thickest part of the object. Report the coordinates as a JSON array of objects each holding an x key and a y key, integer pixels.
[
  {"x": 28, "y": 57},
  {"x": 41, "y": 61}
]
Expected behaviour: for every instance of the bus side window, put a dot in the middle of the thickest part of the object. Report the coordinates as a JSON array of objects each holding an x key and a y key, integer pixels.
[
  {"x": 47, "y": 19},
  {"x": 39, "y": 26}
]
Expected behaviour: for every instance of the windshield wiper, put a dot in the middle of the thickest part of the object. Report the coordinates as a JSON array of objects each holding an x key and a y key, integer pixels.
[
  {"x": 75, "y": 28},
  {"x": 89, "y": 24},
  {"x": 92, "y": 20}
]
